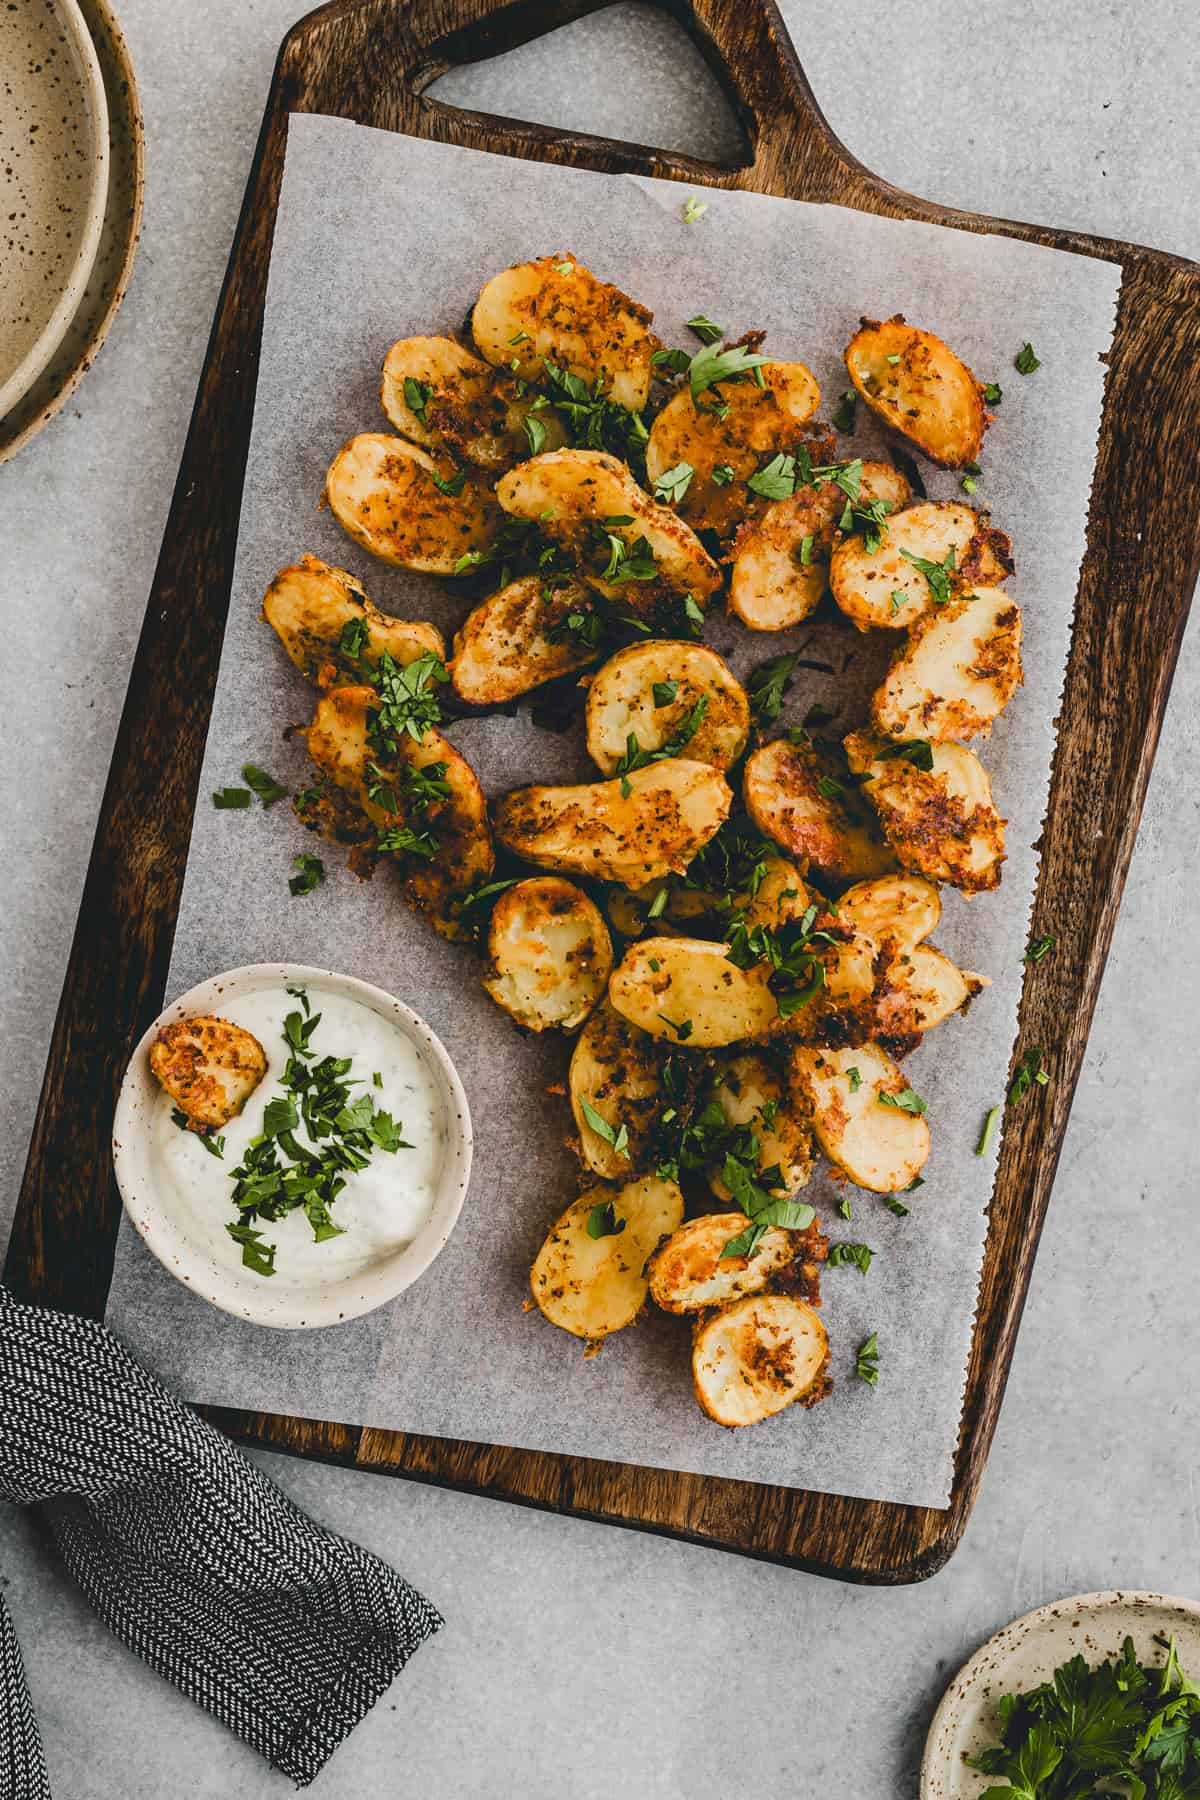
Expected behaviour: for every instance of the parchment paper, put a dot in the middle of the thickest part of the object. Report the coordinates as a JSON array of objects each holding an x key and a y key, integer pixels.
[{"x": 379, "y": 237}]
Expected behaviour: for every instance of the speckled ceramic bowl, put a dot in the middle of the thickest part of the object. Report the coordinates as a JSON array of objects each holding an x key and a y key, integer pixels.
[
  {"x": 1026, "y": 1653},
  {"x": 188, "y": 1246},
  {"x": 53, "y": 181}
]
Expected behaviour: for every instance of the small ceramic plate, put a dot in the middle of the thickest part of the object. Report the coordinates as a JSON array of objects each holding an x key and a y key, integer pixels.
[
  {"x": 109, "y": 278},
  {"x": 53, "y": 181},
  {"x": 1025, "y": 1654},
  {"x": 195, "y": 1247}
]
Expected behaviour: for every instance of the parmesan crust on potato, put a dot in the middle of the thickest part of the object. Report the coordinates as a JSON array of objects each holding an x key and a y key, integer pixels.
[
  {"x": 940, "y": 822},
  {"x": 594, "y": 1284},
  {"x": 689, "y": 1271},
  {"x": 515, "y": 640},
  {"x": 209, "y": 1067},
  {"x": 917, "y": 385},
  {"x": 901, "y": 910},
  {"x": 751, "y": 1092},
  {"x": 443, "y": 398},
  {"x": 332, "y": 632},
  {"x": 616, "y": 1072},
  {"x": 755, "y": 1357},
  {"x": 549, "y": 954},
  {"x": 957, "y": 671},
  {"x": 797, "y": 794},
  {"x": 556, "y": 310},
  {"x": 382, "y": 491},
  {"x": 662, "y": 692},
  {"x": 886, "y": 589}
]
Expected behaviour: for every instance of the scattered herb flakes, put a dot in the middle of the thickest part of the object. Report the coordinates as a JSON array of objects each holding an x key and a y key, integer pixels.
[
  {"x": 1026, "y": 360},
  {"x": 1040, "y": 948},
  {"x": 693, "y": 209},
  {"x": 895, "y": 1206},
  {"x": 637, "y": 758},
  {"x": 664, "y": 692},
  {"x": 564, "y": 268},
  {"x": 674, "y": 483},
  {"x": 602, "y": 1221},
  {"x": 453, "y": 485},
  {"x": 896, "y": 599},
  {"x": 353, "y": 638},
  {"x": 767, "y": 685},
  {"x": 311, "y": 874},
  {"x": 866, "y": 1365},
  {"x": 265, "y": 786},
  {"x": 936, "y": 574},
  {"x": 806, "y": 550},
  {"x": 535, "y": 431},
  {"x": 828, "y": 788},
  {"x": 722, "y": 475},
  {"x": 616, "y": 1138},
  {"x": 629, "y": 562},
  {"x": 905, "y": 1101},
  {"x": 858, "y": 1255},
  {"x": 844, "y": 1208},
  {"x": 1029, "y": 1070},
  {"x": 416, "y": 397},
  {"x": 682, "y": 1028},
  {"x": 855, "y": 1079},
  {"x": 257, "y": 1255},
  {"x": 843, "y": 417},
  {"x": 993, "y": 393},
  {"x": 705, "y": 330},
  {"x": 916, "y": 1182},
  {"x": 711, "y": 365},
  {"x": 232, "y": 799},
  {"x": 489, "y": 892},
  {"x": 988, "y": 1132},
  {"x": 658, "y": 905},
  {"x": 915, "y": 750},
  {"x": 776, "y": 480}
]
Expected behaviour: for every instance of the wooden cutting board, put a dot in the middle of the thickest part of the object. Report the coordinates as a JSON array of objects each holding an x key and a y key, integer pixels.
[{"x": 370, "y": 60}]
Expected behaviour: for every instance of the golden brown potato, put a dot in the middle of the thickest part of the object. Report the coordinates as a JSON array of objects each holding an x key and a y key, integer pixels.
[
  {"x": 443, "y": 398},
  {"x": 592, "y": 1285},
  {"x": 616, "y": 1071},
  {"x": 549, "y": 954},
  {"x": 957, "y": 671},
  {"x": 332, "y": 632},
  {"x": 382, "y": 490},
  {"x": 385, "y": 784},
  {"x": 753, "y": 1358},
  {"x": 797, "y": 794},
  {"x": 917, "y": 385},
  {"x": 576, "y": 495},
  {"x": 759, "y": 423},
  {"x": 879, "y": 1146},
  {"x": 209, "y": 1067},
  {"x": 556, "y": 310},
  {"x": 664, "y": 692},
  {"x": 515, "y": 640},
  {"x": 885, "y": 589},
  {"x": 750, "y": 1091},
  {"x": 940, "y": 823},
  {"x": 770, "y": 895},
  {"x": 781, "y": 565},
  {"x": 632, "y": 830},
  {"x": 928, "y": 988},
  {"x": 689, "y": 1272},
  {"x": 900, "y": 910}
]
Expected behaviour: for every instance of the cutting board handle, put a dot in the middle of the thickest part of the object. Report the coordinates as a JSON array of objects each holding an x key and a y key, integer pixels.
[{"x": 745, "y": 43}]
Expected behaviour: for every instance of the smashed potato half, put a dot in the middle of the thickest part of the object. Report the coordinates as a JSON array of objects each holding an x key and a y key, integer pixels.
[
  {"x": 380, "y": 782},
  {"x": 617, "y": 1070},
  {"x": 690, "y": 1272},
  {"x": 664, "y": 692},
  {"x": 885, "y": 589},
  {"x": 382, "y": 490},
  {"x": 631, "y": 831},
  {"x": 750, "y": 1092},
  {"x": 940, "y": 823},
  {"x": 756, "y": 1357},
  {"x": 209, "y": 1068},
  {"x": 781, "y": 566},
  {"x": 586, "y": 500},
  {"x": 591, "y": 1285},
  {"x": 549, "y": 954},
  {"x": 916, "y": 384},
  {"x": 880, "y": 1147},
  {"x": 929, "y": 988},
  {"x": 510, "y": 644},
  {"x": 957, "y": 671},
  {"x": 797, "y": 795},
  {"x": 901, "y": 910},
  {"x": 332, "y": 632},
  {"x": 737, "y": 426},
  {"x": 442, "y": 397},
  {"x": 776, "y": 895},
  {"x": 556, "y": 310}
]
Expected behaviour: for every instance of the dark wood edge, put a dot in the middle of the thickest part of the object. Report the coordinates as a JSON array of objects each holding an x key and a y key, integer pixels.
[{"x": 1134, "y": 595}]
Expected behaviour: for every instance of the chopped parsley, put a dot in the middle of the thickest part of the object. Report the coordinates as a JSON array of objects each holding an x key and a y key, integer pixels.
[
  {"x": 416, "y": 397},
  {"x": 857, "y": 1255},
  {"x": 843, "y": 417},
  {"x": 722, "y": 474},
  {"x": 806, "y": 550},
  {"x": 855, "y": 1079},
  {"x": 232, "y": 799},
  {"x": 311, "y": 874},
  {"x": 453, "y": 485},
  {"x": 767, "y": 685},
  {"x": 1040, "y": 948},
  {"x": 629, "y": 562},
  {"x": 408, "y": 703},
  {"x": 915, "y": 750},
  {"x": 896, "y": 599},
  {"x": 353, "y": 639},
  {"x": 265, "y": 786},
  {"x": 602, "y": 1221},
  {"x": 776, "y": 480},
  {"x": 711, "y": 365},
  {"x": 792, "y": 951},
  {"x": 637, "y": 758},
  {"x": 664, "y": 692},
  {"x": 1026, "y": 360},
  {"x": 535, "y": 431},
  {"x": 675, "y": 362},
  {"x": 993, "y": 393},
  {"x": 674, "y": 483},
  {"x": 905, "y": 1101},
  {"x": 682, "y": 1028},
  {"x": 693, "y": 209},
  {"x": 895, "y": 1206},
  {"x": 616, "y": 1138},
  {"x": 705, "y": 330},
  {"x": 988, "y": 1133},
  {"x": 1029, "y": 1070},
  {"x": 866, "y": 1365},
  {"x": 936, "y": 574}
]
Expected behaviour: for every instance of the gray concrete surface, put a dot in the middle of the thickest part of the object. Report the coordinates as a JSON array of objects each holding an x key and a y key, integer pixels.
[{"x": 578, "y": 1659}]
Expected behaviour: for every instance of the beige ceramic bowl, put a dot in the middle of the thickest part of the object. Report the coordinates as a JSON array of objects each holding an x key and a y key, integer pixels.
[
  {"x": 53, "y": 181},
  {"x": 1026, "y": 1653}
]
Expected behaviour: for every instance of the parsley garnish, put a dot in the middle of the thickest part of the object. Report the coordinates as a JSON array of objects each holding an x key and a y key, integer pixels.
[
  {"x": 693, "y": 209},
  {"x": 767, "y": 685},
  {"x": 664, "y": 692},
  {"x": 674, "y": 483},
  {"x": 602, "y": 1221},
  {"x": 637, "y": 758},
  {"x": 416, "y": 397},
  {"x": 855, "y": 1079},
  {"x": 1029, "y": 1070},
  {"x": 353, "y": 638},
  {"x": 896, "y": 1206},
  {"x": 1026, "y": 360},
  {"x": 629, "y": 562},
  {"x": 232, "y": 799},
  {"x": 408, "y": 703},
  {"x": 535, "y": 431},
  {"x": 905, "y": 1101},
  {"x": 797, "y": 972},
  {"x": 705, "y": 330},
  {"x": 896, "y": 599},
  {"x": 916, "y": 750},
  {"x": 761, "y": 1206},
  {"x": 992, "y": 393},
  {"x": 776, "y": 480},
  {"x": 843, "y": 418},
  {"x": 676, "y": 362},
  {"x": 265, "y": 786},
  {"x": 617, "y": 1139},
  {"x": 936, "y": 574},
  {"x": 988, "y": 1132},
  {"x": 453, "y": 485},
  {"x": 312, "y": 874},
  {"x": 711, "y": 365},
  {"x": 682, "y": 1028},
  {"x": 1040, "y": 948},
  {"x": 722, "y": 474},
  {"x": 866, "y": 1365},
  {"x": 859, "y": 1255}
]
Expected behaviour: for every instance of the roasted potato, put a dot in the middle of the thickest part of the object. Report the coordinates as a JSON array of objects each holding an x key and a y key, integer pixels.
[
  {"x": 772, "y": 894},
  {"x": 510, "y": 644},
  {"x": 884, "y": 588},
  {"x": 379, "y": 781},
  {"x": 798, "y": 795},
  {"x": 576, "y": 495},
  {"x": 781, "y": 565},
  {"x": 593, "y": 1286},
  {"x": 443, "y": 398},
  {"x": 549, "y": 954},
  {"x": 556, "y": 310},
  {"x": 382, "y": 490},
  {"x": 757, "y": 423},
  {"x": 940, "y": 823},
  {"x": 878, "y": 1146},
  {"x": 753, "y": 1358},
  {"x": 751, "y": 1092},
  {"x": 957, "y": 671},
  {"x": 630, "y": 831},
  {"x": 617, "y": 1070},
  {"x": 689, "y": 991},
  {"x": 928, "y": 989},
  {"x": 916, "y": 384},
  {"x": 209, "y": 1067},
  {"x": 332, "y": 632},
  {"x": 901, "y": 910},
  {"x": 663, "y": 692},
  {"x": 689, "y": 1272}
]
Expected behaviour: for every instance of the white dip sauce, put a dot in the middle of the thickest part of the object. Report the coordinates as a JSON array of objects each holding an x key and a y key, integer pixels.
[{"x": 381, "y": 1208}]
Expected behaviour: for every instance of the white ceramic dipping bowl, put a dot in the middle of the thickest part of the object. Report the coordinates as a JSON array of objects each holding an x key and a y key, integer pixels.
[{"x": 195, "y": 1248}]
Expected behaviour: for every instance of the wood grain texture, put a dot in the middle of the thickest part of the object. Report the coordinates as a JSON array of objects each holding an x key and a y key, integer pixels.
[{"x": 371, "y": 60}]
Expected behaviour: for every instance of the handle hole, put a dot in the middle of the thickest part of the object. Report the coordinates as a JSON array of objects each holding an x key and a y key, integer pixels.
[{"x": 628, "y": 71}]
